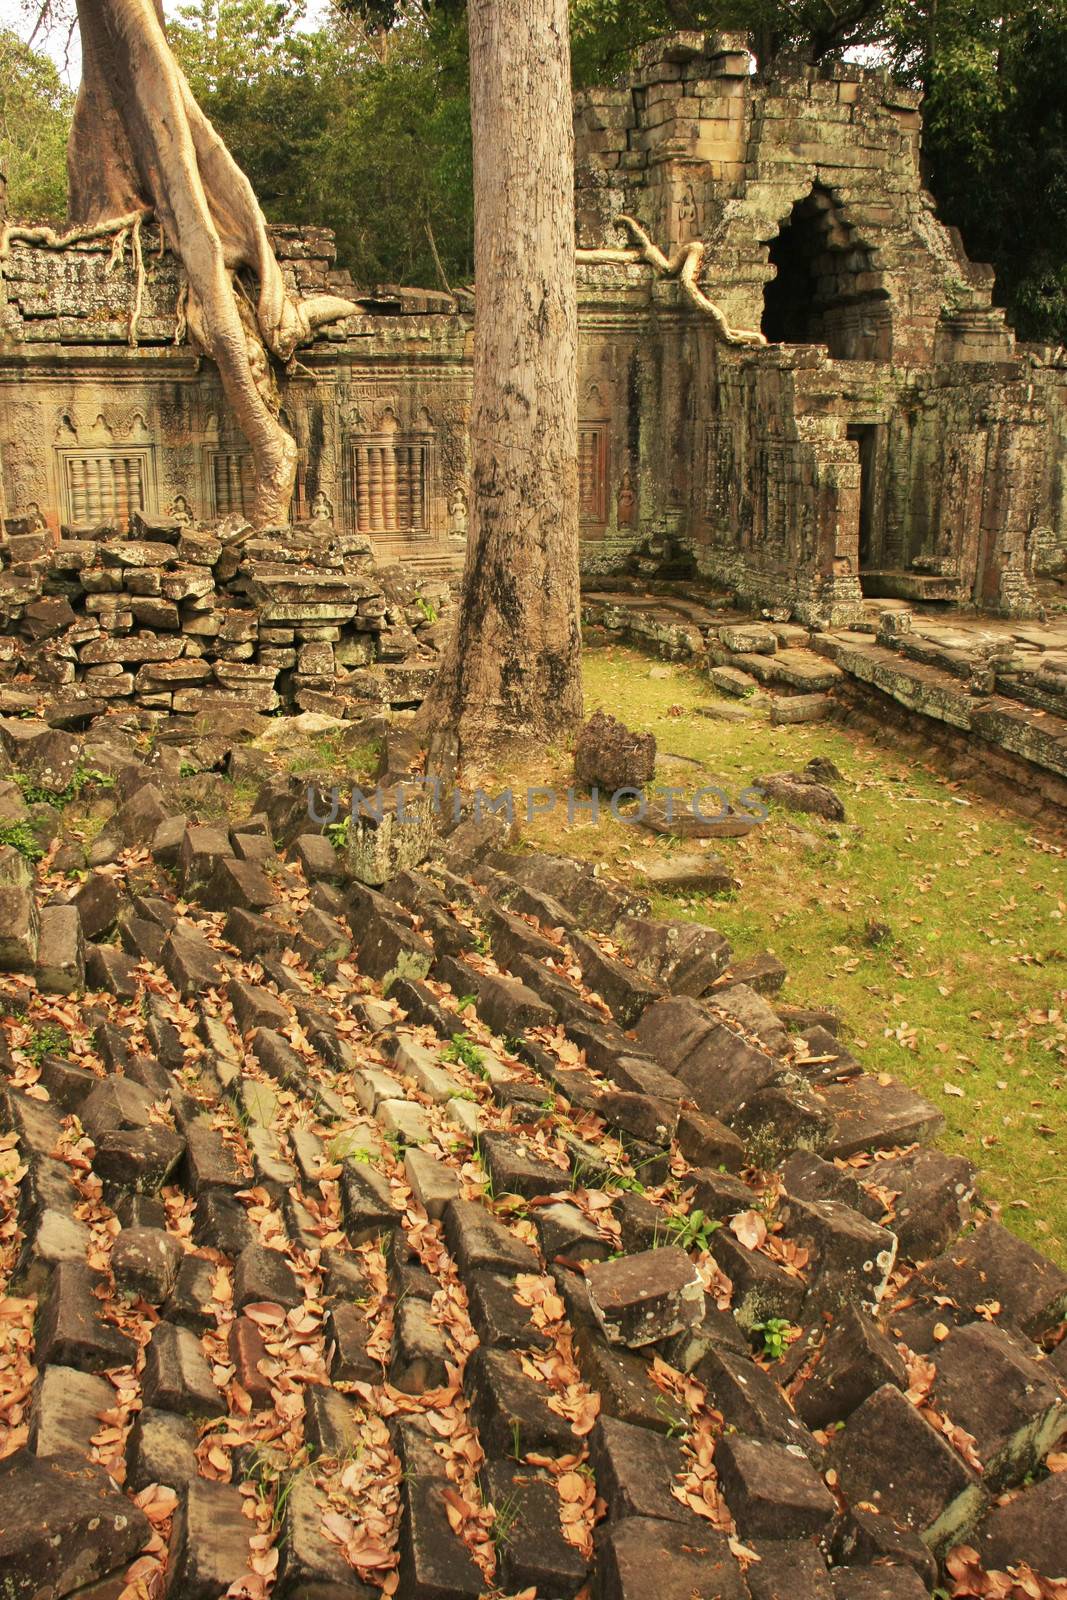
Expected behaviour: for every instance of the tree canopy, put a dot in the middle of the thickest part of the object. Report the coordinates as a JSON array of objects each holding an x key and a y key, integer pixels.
[
  {"x": 362, "y": 123},
  {"x": 35, "y": 113}
]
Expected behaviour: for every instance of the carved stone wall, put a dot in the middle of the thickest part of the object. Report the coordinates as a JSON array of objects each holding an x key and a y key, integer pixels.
[{"x": 891, "y": 438}]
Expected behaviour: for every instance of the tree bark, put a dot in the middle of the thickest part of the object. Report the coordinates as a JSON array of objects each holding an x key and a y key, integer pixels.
[
  {"x": 140, "y": 143},
  {"x": 511, "y": 676}
]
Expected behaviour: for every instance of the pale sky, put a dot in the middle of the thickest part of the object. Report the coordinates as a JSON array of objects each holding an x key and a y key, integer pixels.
[{"x": 20, "y": 15}]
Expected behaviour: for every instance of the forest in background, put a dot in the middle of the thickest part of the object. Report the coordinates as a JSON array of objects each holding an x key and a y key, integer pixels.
[{"x": 362, "y": 124}]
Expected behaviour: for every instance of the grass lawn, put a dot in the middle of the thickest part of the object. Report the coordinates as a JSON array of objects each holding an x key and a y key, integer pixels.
[{"x": 965, "y": 999}]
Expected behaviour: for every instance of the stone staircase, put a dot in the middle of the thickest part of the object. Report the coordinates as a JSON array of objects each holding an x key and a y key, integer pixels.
[{"x": 474, "y": 1234}]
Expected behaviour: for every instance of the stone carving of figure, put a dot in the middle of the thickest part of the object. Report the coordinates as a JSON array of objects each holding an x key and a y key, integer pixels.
[
  {"x": 36, "y": 520},
  {"x": 181, "y": 511},
  {"x": 687, "y": 215},
  {"x": 626, "y": 500},
  {"x": 321, "y": 509},
  {"x": 457, "y": 513}
]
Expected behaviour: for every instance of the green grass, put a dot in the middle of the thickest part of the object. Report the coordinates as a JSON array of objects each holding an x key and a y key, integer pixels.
[{"x": 970, "y": 988}]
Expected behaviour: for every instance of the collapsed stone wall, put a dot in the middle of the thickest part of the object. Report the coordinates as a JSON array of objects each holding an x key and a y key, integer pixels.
[
  {"x": 893, "y": 439},
  {"x": 174, "y": 619},
  {"x": 481, "y": 1230}
]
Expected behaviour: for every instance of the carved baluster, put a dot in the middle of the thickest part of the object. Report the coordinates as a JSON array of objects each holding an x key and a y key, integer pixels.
[
  {"x": 94, "y": 489},
  {"x": 234, "y": 496},
  {"x": 76, "y": 481},
  {"x": 362, "y": 489},
  {"x": 418, "y": 486},
  {"x": 389, "y": 486},
  {"x": 403, "y": 487},
  {"x": 375, "y": 485}
]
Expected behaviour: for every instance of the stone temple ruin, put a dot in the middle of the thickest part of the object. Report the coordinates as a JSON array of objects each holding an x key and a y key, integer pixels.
[
  {"x": 892, "y": 438},
  {"x": 390, "y": 1205}
]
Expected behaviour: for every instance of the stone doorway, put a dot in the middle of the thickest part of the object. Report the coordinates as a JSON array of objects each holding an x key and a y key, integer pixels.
[{"x": 825, "y": 289}]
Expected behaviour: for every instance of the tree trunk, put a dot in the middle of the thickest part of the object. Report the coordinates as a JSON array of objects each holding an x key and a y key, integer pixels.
[
  {"x": 511, "y": 673},
  {"x": 140, "y": 143}
]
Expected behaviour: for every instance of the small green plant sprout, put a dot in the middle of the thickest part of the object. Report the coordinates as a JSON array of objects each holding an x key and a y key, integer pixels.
[
  {"x": 428, "y": 609},
  {"x": 692, "y": 1232},
  {"x": 516, "y": 1440},
  {"x": 82, "y": 778},
  {"x": 337, "y": 833},
  {"x": 47, "y": 1040},
  {"x": 464, "y": 1001},
  {"x": 505, "y": 1516},
  {"x": 772, "y": 1334},
  {"x": 188, "y": 769},
  {"x": 464, "y": 1051},
  {"x": 663, "y": 1409},
  {"x": 21, "y": 837}
]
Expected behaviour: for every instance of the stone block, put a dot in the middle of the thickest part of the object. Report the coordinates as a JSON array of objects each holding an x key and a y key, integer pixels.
[
  {"x": 145, "y": 1263},
  {"x": 161, "y": 1448},
  {"x": 62, "y": 1527},
  {"x": 262, "y": 1274},
  {"x": 142, "y": 1159},
  {"x": 477, "y": 1240},
  {"x": 19, "y": 928},
  {"x": 872, "y": 1115},
  {"x": 990, "y": 1385},
  {"x": 1030, "y": 1527},
  {"x": 992, "y": 1264},
  {"x": 433, "y": 1562},
  {"x": 65, "y": 1412},
  {"x": 635, "y": 1471},
  {"x": 71, "y": 1331},
  {"x": 511, "y": 1410},
  {"x": 750, "y": 1401},
  {"x": 639, "y": 1299},
  {"x": 421, "y": 1352},
  {"x": 851, "y": 1257},
  {"x": 644, "y": 1559},
  {"x": 176, "y": 1375},
  {"x": 890, "y": 1457},
  {"x": 856, "y": 1359},
  {"x": 532, "y": 1551},
  {"x": 209, "y": 1541}
]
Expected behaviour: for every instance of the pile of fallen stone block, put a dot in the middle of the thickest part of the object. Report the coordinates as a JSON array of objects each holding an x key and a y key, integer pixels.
[
  {"x": 475, "y": 1233},
  {"x": 181, "y": 618}
]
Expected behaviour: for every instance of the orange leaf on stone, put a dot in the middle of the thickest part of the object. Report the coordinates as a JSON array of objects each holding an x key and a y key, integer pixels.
[{"x": 750, "y": 1229}]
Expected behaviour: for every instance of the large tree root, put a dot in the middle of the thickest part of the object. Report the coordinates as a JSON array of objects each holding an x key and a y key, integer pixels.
[
  {"x": 119, "y": 229},
  {"x": 139, "y": 144},
  {"x": 685, "y": 265}
]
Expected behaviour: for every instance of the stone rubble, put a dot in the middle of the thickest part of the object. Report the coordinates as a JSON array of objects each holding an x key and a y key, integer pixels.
[
  {"x": 176, "y": 618},
  {"x": 335, "y": 1252}
]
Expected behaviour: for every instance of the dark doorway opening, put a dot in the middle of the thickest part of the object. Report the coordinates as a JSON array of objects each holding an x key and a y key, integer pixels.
[
  {"x": 824, "y": 289},
  {"x": 866, "y": 436}
]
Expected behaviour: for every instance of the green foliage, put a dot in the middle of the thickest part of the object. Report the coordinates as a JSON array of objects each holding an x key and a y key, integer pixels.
[
  {"x": 772, "y": 1334},
  {"x": 35, "y": 113},
  {"x": 337, "y": 833},
  {"x": 463, "y": 1050},
  {"x": 47, "y": 1040},
  {"x": 21, "y": 837},
  {"x": 81, "y": 779},
  {"x": 362, "y": 131},
  {"x": 996, "y": 147},
  {"x": 692, "y": 1232}
]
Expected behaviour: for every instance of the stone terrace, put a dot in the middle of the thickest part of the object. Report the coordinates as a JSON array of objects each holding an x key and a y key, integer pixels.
[
  {"x": 989, "y": 694},
  {"x": 473, "y": 1234}
]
